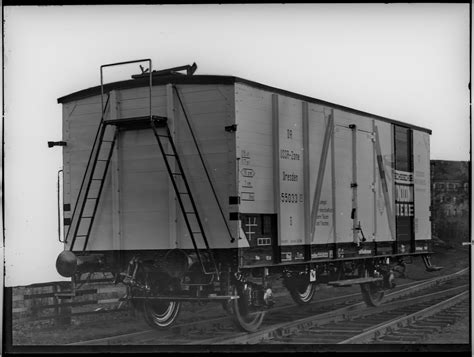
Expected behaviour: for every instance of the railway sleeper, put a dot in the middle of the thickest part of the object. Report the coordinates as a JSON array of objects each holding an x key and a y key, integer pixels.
[
  {"x": 446, "y": 320},
  {"x": 416, "y": 329},
  {"x": 399, "y": 338},
  {"x": 408, "y": 335},
  {"x": 428, "y": 324}
]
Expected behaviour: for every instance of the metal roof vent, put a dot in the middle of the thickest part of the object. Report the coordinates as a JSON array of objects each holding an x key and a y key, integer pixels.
[{"x": 190, "y": 69}]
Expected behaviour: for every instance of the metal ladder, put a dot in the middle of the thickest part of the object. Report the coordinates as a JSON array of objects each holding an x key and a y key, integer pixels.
[
  {"x": 181, "y": 192},
  {"x": 92, "y": 185},
  {"x": 78, "y": 215}
]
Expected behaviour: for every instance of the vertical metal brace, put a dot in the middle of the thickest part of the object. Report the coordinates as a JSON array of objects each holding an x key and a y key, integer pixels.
[
  {"x": 276, "y": 164},
  {"x": 306, "y": 177},
  {"x": 374, "y": 175},
  {"x": 354, "y": 214},
  {"x": 393, "y": 205},
  {"x": 59, "y": 208},
  {"x": 333, "y": 183}
]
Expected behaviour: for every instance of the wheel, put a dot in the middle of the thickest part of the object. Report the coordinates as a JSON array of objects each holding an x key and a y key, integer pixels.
[
  {"x": 372, "y": 293},
  {"x": 159, "y": 313},
  {"x": 303, "y": 293},
  {"x": 246, "y": 317}
]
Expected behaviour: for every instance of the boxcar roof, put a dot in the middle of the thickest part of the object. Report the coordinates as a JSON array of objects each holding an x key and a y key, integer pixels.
[{"x": 213, "y": 79}]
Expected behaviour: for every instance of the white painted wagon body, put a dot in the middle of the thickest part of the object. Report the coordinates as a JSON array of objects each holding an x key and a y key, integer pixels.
[{"x": 298, "y": 179}]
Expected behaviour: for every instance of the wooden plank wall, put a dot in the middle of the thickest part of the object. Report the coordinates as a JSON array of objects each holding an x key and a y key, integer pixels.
[
  {"x": 210, "y": 109},
  {"x": 254, "y": 148},
  {"x": 37, "y": 302},
  {"x": 134, "y": 211},
  {"x": 421, "y": 161}
]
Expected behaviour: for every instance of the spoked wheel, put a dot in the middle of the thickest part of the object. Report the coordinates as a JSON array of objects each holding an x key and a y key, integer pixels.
[
  {"x": 372, "y": 293},
  {"x": 248, "y": 318},
  {"x": 303, "y": 293},
  {"x": 160, "y": 314}
]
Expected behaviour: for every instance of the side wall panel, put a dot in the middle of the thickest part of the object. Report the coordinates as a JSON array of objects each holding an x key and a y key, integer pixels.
[
  {"x": 80, "y": 122},
  {"x": 253, "y": 110},
  {"x": 333, "y": 224},
  {"x": 421, "y": 162},
  {"x": 290, "y": 131},
  {"x": 318, "y": 120},
  {"x": 210, "y": 108},
  {"x": 143, "y": 187}
]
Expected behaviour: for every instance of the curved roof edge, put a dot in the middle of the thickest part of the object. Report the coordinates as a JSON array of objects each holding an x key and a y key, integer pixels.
[{"x": 214, "y": 79}]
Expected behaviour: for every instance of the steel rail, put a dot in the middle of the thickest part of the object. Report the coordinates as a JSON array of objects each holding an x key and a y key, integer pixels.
[
  {"x": 218, "y": 322},
  {"x": 377, "y": 331},
  {"x": 215, "y": 321},
  {"x": 288, "y": 328}
]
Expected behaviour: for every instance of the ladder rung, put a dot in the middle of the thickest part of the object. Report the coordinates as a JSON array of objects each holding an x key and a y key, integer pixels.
[
  {"x": 92, "y": 198},
  {"x": 170, "y": 154},
  {"x": 163, "y": 136},
  {"x": 96, "y": 179},
  {"x": 183, "y": 193},
  {"x": 176, "y": 173}
]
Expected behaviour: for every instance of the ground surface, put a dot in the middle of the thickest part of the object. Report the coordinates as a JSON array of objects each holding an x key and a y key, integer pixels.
[
  {"x": 112, "y": 323},
  {"x": 452, "y": 334}
]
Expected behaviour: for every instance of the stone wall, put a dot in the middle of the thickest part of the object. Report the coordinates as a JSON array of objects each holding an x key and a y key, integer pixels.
[{"x": 450, "y": 208}]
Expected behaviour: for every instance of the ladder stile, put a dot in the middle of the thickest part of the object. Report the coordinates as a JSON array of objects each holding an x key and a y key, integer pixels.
[
  {"x": 85, "y": 193},
  {"x": 109, "y": 157}
]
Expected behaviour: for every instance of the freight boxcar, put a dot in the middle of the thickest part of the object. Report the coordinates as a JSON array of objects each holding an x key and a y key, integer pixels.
[{"x": 200, "y": 187}]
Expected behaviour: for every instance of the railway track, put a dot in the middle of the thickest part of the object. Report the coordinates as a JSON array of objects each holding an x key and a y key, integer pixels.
[{"x": 342, "y": 319}]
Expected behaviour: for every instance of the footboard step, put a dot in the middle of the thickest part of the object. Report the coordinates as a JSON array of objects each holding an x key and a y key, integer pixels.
[{"x": 350, "y": 282}]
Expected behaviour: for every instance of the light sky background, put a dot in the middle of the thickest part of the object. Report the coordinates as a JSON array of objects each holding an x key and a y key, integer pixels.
[{"x": 408, "y": 62}]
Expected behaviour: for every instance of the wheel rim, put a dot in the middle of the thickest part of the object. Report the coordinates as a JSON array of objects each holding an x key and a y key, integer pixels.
[
  {"x": 373, "y": 293},
  {"x": 160, "y": 313},
  {"x": 305, "y": 293},
  {"x": 248, "y": 320},
  {"x": 376, "y": 292}
]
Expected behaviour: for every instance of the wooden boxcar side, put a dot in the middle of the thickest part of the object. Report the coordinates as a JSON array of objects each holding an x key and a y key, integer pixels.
[{"x": 330, "y": 177}]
